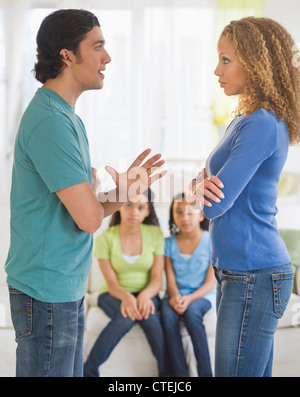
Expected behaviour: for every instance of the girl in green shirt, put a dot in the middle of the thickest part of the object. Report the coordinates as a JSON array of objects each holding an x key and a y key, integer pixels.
[{"x": 131, "y": 257}]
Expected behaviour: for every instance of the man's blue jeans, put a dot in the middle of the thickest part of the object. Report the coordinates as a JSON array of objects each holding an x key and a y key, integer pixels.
[
  {"x": 49, "y": 336},
  {"x": 117, "y": 328},
  {"x": 249, "y": 305},
  {"x": 193, "y": 320}
]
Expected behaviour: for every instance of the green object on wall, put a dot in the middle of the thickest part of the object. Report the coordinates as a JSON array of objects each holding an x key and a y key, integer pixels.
[
  {"x": 292, "y": 241},
  {"x": 257, "y": 5}
]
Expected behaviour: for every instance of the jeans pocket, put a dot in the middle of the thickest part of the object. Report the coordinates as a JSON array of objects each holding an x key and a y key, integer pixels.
[
  {"x": 239, "y": 276},
  {"x": 282, "y": 288},
  {"x": 21, "y": 312}
]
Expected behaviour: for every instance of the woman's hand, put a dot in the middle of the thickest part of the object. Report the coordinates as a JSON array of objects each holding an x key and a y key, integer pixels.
[
  {"x": 138, "y": 177},
  {"x": 204, "y": 188},
  {"x": 145, "y": 305},
  {"x": 129, "y": 307}
]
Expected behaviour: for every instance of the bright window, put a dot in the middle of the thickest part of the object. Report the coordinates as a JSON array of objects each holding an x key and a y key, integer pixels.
[{"x": 157, "y": 89}]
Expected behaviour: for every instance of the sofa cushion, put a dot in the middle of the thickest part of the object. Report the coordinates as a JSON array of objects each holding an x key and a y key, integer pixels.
[
  {"x": 142, "y": 361},
  {"x": 132, "y": 356}
]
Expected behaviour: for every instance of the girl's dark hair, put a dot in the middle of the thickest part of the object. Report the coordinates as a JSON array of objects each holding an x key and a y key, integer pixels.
[
  {"x": 172, "y": 225},
  {"x": 151, "y": 219},
  {"x": 60, "y": 29}
]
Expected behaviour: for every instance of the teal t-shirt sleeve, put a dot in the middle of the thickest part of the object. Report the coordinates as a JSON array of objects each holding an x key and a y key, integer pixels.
[
  {"x": 102, "y": 245},
  {"x": 54, "y": 151}
]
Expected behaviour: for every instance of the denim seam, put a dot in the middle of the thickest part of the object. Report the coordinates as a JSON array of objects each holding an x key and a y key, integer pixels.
[
  {"x": 242, "y": 325},
  {"x": 51, "y": 338}
]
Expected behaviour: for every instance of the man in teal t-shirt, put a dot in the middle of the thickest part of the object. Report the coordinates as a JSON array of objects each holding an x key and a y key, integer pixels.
[
  {"x": 54, "y": 206},
  {"x": 51, "y": 153}
]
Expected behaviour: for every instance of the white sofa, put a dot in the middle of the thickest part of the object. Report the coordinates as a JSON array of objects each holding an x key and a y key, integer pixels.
[{"x": 132, "y": 356}]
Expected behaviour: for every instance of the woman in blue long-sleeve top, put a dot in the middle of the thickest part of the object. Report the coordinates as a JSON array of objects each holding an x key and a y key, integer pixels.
[{"x": 238, "y": 191}]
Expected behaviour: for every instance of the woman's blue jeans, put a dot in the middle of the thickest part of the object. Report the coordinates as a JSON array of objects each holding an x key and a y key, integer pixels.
[
  {"x": 193, "y": 320},
  {"x": 249, "y": 305},
  {"x": 49, "y": 336},
  {"x": 117, "y": 328}
]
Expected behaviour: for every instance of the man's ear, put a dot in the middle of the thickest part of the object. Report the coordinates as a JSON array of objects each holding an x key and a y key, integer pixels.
[{"x": 65, "y": 56}]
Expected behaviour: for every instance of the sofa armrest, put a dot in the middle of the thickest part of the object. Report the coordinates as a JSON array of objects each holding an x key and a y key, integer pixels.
[{"x": 91, "y": 298}]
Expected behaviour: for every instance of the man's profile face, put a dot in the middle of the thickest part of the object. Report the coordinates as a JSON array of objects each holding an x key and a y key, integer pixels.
[{"x": 90, "y": 61}]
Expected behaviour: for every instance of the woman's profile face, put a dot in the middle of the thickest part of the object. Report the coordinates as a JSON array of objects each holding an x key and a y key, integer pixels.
[{"x": 230, "y": 70}]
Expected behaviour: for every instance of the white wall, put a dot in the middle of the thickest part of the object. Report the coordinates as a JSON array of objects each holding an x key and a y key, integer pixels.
[{"x": 285, "y": 12}]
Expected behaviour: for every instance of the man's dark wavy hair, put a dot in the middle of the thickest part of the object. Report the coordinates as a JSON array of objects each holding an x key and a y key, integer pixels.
[{"x": 61, "y": 29}]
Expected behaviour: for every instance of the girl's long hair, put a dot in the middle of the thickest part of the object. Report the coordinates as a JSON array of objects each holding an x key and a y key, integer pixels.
[{"x": 151, "y": 219}]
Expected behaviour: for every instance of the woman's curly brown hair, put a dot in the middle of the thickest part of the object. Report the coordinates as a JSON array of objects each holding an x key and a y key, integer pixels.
[{"x": 267, "y": 51}]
